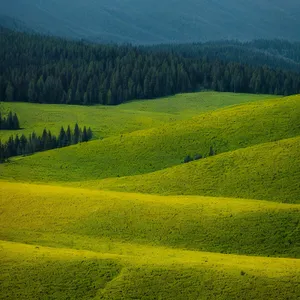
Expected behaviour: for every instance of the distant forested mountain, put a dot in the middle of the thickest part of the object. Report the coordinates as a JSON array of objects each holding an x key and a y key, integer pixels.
[
  {"x": 46, "y": 69},
  {"x": 280, "y": 54},
  {"x": 159, "y": 21}
]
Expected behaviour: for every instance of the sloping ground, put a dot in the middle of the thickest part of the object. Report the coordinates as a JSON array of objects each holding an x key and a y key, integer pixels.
[
  {"x": 155, "y": 149},
  {"x": 267, "y": 171},
  {"x": 32, "y": 272},
  {"x": 165, "y": 274},
  {"x": 108, "y": 121},
  {"x": 52, "y": 215},
  {"x": 67, "y": 242},
  {"x": 86, "y": 244}
]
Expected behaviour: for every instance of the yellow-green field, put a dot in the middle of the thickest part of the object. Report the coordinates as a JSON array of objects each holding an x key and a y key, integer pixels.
[
  {"x": 123, "y": 218},
  {"x": 108, "y": 121}
]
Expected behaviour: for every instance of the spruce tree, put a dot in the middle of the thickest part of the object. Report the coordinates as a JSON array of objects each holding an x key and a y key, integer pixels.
[
  {"x": 84, "y": 137},
  {"x": 44, "y": 139},
  {"x": 23, "y": 143},
  {"x": 10, "y": 93},
  {"x": 62, "y": 138},
  {"x": 89, "y": 134},
  {"x": 9, "y": 121},
  {"x": 76, "y": 136},
  {"x": 15, "y": 121},
  {"x": 211, "y": 151},
  {"x": 69, "y": 136}
]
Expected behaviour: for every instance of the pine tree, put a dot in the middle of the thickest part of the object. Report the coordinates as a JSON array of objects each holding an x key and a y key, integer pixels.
[
  {"x": 84, "y": 137},
  {"x": 44, "y": 139},
  {"x": 89, "y": 134},
  {"x": 211, "y": 151},
  {"x": 15, "y": 122},
  {"x": 9, "y": 93},
  {"x": 62, "y": 140},
  {"x": 69, "y": 136},
  {"x": 76, "y": 136},
  {"x": 109, "y": 98},
  {"x": 64, "y": 98},
  {"x": 10, "y": 121},
  {"x": 2, "y": 152},
  {"x": 32, "y": 92},
  {"x": 23, "y": 143}
]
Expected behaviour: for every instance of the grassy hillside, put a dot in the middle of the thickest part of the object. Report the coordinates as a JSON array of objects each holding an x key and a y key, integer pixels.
[
  {"x": 162, "y": 274},
  {"x": 268, "y": 171},
  {"x": 155, "y": 149},
  {"x": 52, "y": 216},
  {"x": 105, "y": 245},
  {"x": 70, "y": 228},
  {"x": 107, "y": 121}
]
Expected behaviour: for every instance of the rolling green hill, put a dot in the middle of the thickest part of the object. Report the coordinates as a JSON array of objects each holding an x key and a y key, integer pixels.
[
  {"x": 268, "y": 171},
  {"x": 112, "y": 242},
  {"x": 51, "y": 213},
  {"x": 108, "y": 121},
  {"x": 153, "y": 273},
  {"x": 155, "y": 149}
]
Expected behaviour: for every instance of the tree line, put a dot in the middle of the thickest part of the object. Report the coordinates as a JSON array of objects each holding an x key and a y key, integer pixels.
[
  {"x": 46, "y": 69},
  {"x": 277, "y": 54},
  {"x": 24, "y": 146},
  {"x": 11, "y": 122}
]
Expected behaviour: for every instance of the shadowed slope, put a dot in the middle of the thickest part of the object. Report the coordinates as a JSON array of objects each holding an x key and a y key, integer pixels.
[
  {"x": 72, "y": 217},
  {"x": 267, "y": 171},
  {"x": 159, "y": 273}
]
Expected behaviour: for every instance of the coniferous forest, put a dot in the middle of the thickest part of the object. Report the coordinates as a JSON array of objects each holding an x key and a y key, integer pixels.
[
  {"x": 44, "y": 69},
  {"x": 278, "y": 54},
  {"x": 47, "y": 141},
  {"x": 11, "y": 122}
]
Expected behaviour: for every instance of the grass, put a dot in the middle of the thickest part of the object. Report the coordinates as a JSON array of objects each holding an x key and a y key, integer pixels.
[
  {"x": 50, "y": 273},
  {"x": 195, "y": 223},
  {"x": 108, "y": 121},
  {"x": 71, "y": 228},
  {"x": 267, "y": 171},
  {"x": 150, "y": 150}
]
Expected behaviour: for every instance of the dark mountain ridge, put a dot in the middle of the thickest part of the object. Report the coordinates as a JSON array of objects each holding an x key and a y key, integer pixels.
[{"x": 159, "y": 21}]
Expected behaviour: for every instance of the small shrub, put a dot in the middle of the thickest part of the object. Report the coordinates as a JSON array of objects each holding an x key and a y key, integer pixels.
[
  {"x": 198, "y": 156},
  {"x": 187, "y": 159}
]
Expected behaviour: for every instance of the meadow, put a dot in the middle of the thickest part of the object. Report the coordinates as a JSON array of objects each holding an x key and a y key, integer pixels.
[
  {"x": 108, "y": 121},
  {"x": 149, "y": 150},
  {"x": 122, "y": 217}
]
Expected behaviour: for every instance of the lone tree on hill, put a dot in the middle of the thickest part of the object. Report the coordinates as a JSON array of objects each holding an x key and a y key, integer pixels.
[{"x": 211, "y": 151}]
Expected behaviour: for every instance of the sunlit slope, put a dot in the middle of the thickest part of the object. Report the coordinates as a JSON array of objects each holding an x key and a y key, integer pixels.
[
  {"x": 32, "y": 272},
  {"x": 155, "y": 149},
  {"x": 267, "y": 171},
  {"x": 111, "y": 120},
  {"x": 80, "y": 218}
]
